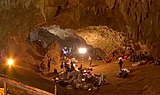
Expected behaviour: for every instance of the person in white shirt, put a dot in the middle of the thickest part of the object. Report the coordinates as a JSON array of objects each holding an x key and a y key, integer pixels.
[{"x": 90, "y": 61}]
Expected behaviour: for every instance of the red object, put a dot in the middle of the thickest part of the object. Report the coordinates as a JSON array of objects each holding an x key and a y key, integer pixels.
[{"x": 125, "y": 57}]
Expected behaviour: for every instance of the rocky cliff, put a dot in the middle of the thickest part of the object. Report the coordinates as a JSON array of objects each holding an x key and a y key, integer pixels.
[{"x": 139, "y": 19}]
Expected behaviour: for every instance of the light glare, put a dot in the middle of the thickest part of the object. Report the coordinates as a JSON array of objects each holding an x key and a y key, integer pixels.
[
  {"x": 82, "y": 50},
  {"x": 10, "y": 61}
]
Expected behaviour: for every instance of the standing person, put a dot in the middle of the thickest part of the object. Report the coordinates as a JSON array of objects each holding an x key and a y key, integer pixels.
[
  {"x": 120, "y": 63},
  {"x": 72, "y": 67},
  {"x": 41, "y": 68},
  {"x": 90, "y": 61},
  {"x": 49, "y": 63},
  {"x": 65, "y": 51}
]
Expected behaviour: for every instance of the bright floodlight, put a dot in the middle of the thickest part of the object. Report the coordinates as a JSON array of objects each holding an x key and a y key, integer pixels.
[
  {"x": 82, "y": 50},
  {"x": 10, "y": 61}
]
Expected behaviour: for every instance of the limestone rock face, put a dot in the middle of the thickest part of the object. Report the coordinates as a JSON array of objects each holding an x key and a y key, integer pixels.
[
  {"x": 54, "y": 52},
  {"x": 108, "y": 40},
  {"x": 102, "y": 37},
  {"x": 138, "y": 18}
]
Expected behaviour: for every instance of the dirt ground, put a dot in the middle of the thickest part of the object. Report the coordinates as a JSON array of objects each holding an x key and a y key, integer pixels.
[{"x": 143, "y": 79}]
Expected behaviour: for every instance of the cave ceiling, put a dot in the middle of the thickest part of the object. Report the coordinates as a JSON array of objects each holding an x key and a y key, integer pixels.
[{"x": 138, "y": 18}]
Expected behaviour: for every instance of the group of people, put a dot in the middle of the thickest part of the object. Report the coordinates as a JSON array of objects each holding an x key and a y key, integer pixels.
[
  {"x": 77, "y": 76},
  {"x": 130, "y": 54},
  {"x": 69, "y": 52},
  {"x": 138, "y": 57},
  {"x": 68, "y": 64},
  {"x": 68, "y": 60}
]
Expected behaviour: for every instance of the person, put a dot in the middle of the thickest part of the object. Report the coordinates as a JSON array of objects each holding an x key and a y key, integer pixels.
[
  {"x": 98, "y": 57},
  {"x": 65, "y": 51},
  {"x": 72, "y": 52},
  {"x": 49, "y": 64},
  {"x": 62, "y": 64},
  {"x": 42, "y": 65},
  {"x": 120, "y": 63},
  {"x": 90, "y": 61},
  {"x": 72, "y": 67},
  {"x": 80, "y": 68},
  {"x": 55, "y": 71}
]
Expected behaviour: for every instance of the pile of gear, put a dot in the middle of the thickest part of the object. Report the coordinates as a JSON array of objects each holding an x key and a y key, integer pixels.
[
  {"x": 81, "y": 79},
  {"x": 141, "y": 58},
  {"x": 128, "y": 53},
  {"x": 123, "y": 73}
]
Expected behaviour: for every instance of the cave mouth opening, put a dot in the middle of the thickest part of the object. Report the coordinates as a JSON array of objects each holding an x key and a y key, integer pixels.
[{"x": 100, "y": 40}]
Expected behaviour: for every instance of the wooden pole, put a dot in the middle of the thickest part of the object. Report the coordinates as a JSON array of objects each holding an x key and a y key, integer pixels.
[
  {"x": 5, "y": 87},
  {"x": 55, "y": 89}
]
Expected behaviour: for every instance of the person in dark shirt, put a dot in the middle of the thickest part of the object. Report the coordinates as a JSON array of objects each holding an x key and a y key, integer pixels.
[
  {"x": 120, "y": 63},
  {"x": 49, "y": 64}
]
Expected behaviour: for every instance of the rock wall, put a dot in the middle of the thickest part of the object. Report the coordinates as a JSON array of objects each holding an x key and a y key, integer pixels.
[
  {"x": 139, "y": 19},
  {"x": 102, "y": 37}
]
